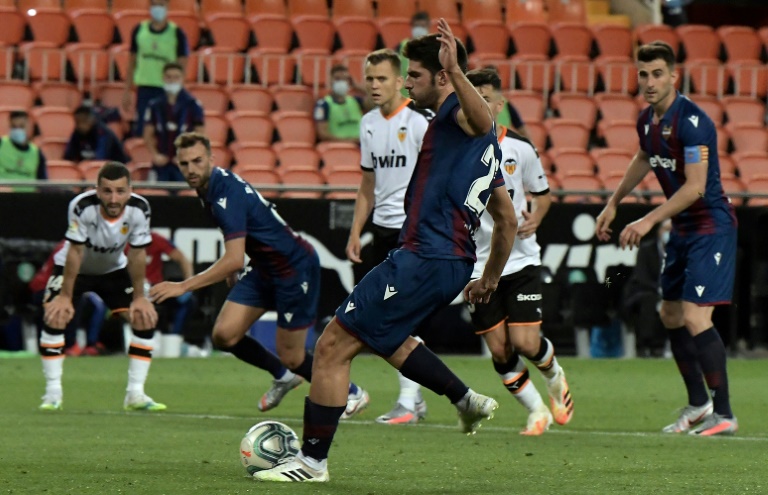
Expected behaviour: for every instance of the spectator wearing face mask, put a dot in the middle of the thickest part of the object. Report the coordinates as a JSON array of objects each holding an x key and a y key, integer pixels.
[
  {"x": 92, "y": 140},
  {"x": 174, "y": 113},
  {"x": 20, "y": 159},
  {"x": 419, "y": 28},
  {"x": 154, "y": 43},
  {"x": 338, "y": 115}
]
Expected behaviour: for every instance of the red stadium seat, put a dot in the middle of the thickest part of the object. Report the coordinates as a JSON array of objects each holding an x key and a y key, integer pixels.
[
  {"x": 575, "y": 107},
  {"x": 344, "y": 178},
  {"x": 706, "y": 76},
  {"x": 251, "y": 98},
  {"x": 15, "y": 94},
  {"x": 294, "y": 98},
  {"x": 315, "y": 33},
  {"x": 272, "y": 66},
  {"x": 314, "y": 68},
  {"x": 530, "y": 38},
  {"x": 254, "y": 8},
  {"x": 534, "y": 73},
  {"x": 647, "y": 33},
  {"x": 618, "y": 76},
  {"x": 572, "y": 38},
  {"x": 752, "y": 166},
  {"x": 90, "y": 63},
  {"x": 758, "y": 186},
  {"x": 749, "y": 79},
  {"x": 401, "y": 10},
  {"x": 566, "y": 133},
  {"x": 611, "y": 161},
  {"x": 570, "y": 161},
  {"x": 49, "y": 25},
  {"x": 727, "y": 164},
  {"x": 44, "y": 61},
  {"x": 255, "y": 157},
  {"x": 76, "y": 5},
  {"x": 190, "y": 24},
  {"x": 126, "y": 21},
  {"x": 186, "y": 6},
  {"x": 135, "y": 5},
  {"x": 441, "y": 8},
  {"x": 53, "y": 149},
  {"x": 529, "y": 104},
  {"x": 217, "y": 129},
  {"x": 490, "y": 38},
  {"x": 741, "y": 43},
  {"x": 93, "y": 26},
  {"x": 90, "y": 169},
  {"x": 352, "y": 8},
  {"x": 209, "y": 7},
  {"x": 258, "y": 178},
  {"x": 13, "y": 26},
  {"x": 613, "y": 40},
  {"x": 26, "y": 5},
  {"x": 614, "y": 106},
  {"x": 341, "y": 159},
  {"x": 744, "y": 109},
  {"x": 61, "y": 95},
  {"x": 576, "y": 74},
  {"x": 711, "y": 106},
  {"x": 307, "y": 7},
  {"x": 272, "y": 32},
  {"x": 526, "y": 11},
  {"x": 295, "y": 127},
  {"x": 223, "y": 65},
  {"x": 63, "y": 171},
  {"x": 622, "y": 135},
  {"x": 567, "y": 10},
  {"x": 748, "y": 136},
  {"x": 298, "y": 158},
  {"x": 394, "y": 30},
  {"x": 251, "y": 128},
  {"x": 302, "y": 178},
  {"x": 733, "y": 185},
  {"x": 537, "y": 133},
  {"x": 357, "y": 33},
  {"x": 700, "y": 42},
  {"x": 481, "y": 10},
  {"x": 229, "y": 30},
  {"x": 212, "y": 97},
  {"x": 581, "y": 183}
]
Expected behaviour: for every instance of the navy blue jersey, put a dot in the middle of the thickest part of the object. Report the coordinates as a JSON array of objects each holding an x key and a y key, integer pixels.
[
  {"x": 685, "y": 135},
  {"x": 99, "y": 144},
  {"x": 450, "y": 187},
  {"x": 240, "y": 211},
  {"x": 171, "y": 120}
]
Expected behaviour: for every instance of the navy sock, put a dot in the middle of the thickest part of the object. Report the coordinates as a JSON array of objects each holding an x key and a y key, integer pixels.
[
  {"x": 353, "y": 389},
  {"x": 684, "y": 351},
  {"x": 255, "y": 354},
  {"x": 320, "y": 423},
  {"x": 424, "y": 367},
  {"x": 304, "y": 370},
  {"x": 711, "y": 353}
]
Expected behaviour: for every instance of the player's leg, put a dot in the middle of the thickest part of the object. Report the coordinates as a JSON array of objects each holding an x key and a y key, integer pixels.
[{"x": 52, "y": 349}]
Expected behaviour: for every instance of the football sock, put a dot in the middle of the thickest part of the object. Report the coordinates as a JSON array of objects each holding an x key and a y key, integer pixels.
[
  {"x": 711, "y": 354},
  {"x": 304, "y": 370},
  {"x": 353, "y": 389},
  {"x": 409, "y": 390},
  {"x": 424, "y": 367},
  {"x": 545, "y": 359},
  {"x": 514, "y": 375},
  {"x": 52, "y": 352},
  {"x": 320, "y": 423},
  {"x": 140, "y": 354},
  {"x": 685, "y": 354},
  {"x": 255, "y": 354}
]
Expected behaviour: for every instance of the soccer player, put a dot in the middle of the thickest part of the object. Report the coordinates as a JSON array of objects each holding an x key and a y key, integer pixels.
[
  {"x": 283, "y": 275},
  {"x": 456, "y": 176},
  {"x": 679, "y": 143},
  {"x": 511, "y": 322},
  {"x": 390, "y": 139},
  {"x": 101, "y": 223}
]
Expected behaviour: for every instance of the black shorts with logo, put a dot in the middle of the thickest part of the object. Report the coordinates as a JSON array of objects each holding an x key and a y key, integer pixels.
[
  {"x": 114, "y": 288},
  {"x": 517, "y": 300}
]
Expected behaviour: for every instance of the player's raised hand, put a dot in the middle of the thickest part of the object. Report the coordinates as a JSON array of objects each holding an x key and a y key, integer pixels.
[
  {"x": 354, "y": 247},
  {"x": 142, "y": 314},
  {"x": 166, "y": 290},
  {"x": 479, "y": 290},
  {"x": 59, "y": 312},
  {"x": 529, "y": 226},
  {"x": 634, "y": 233},
  {"x": 448, "y": 56},
  {"x": 603, "y": 224}
]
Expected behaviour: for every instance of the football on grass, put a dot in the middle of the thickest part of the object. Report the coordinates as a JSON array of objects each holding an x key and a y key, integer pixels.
[{"x": 268, "y": 444}]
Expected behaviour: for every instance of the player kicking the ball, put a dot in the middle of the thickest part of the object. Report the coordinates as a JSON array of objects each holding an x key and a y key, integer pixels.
[
  {"x": 511, "y": 322},
  {"x": 283, "y": 275},
  {"x": 101, "y": 223},
  {"x": 456, "y": 176}
]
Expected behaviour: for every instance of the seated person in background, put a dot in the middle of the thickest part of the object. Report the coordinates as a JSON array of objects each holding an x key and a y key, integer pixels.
[
  {"x": 338, "y": 115},
  {"x": 166, "y": 118},
  {"x": 92, "y": 140},
  {"x": 642, "y": 296},
  {"x": 19, "y": 158}
]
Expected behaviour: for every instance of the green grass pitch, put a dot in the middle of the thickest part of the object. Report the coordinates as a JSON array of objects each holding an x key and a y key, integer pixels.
[{"x": 612, "y": 445}]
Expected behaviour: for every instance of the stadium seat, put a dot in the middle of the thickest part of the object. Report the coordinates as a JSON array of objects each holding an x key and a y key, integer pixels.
[
  {"x": 400, "y": 10},
  {"x": 618, "y": 75},
  {"x": 341, "y": 158},
  {"x": 503, "y": 66},
  {"x": 298, "y": 8},
  {"x": 570, "y": 161},
  {"x": 314, "y": 33},
  {"x": 622, "y": 135},
  {"x": 26, "y": 5},
  {"x": 344, "y": 178},
  {"x": 393, "y": 31},
  {"x": 352, "y": 9},
  {"x": 140, "y": 171},
  {"x": 749, "y": 79},
  {"x": 611, "y": 161},
  {"x": 210, "y": 7},
  {"x": 700, "y": 42},
  {"x": 186, "y": 6},
  {"x": 229, "y": 31},
  {"x": 298, "y": 158},
  {"x": 222, "y": 156},
  {"x": 706, "y": 76},
  {"x": 118, "y": 56},
  {"x": 567, "y": 133},
  {"x": 611, "y": 182},
  {"x": 126, "y": 21},
  {"x": 762, "y": 33},
  {"x": 217, "y": 129},
  {"x": 258, "y": 178},
  {"x": 255, "y": 157},
  {"x": 194, "y": 69},
  {"x": 90, "y": 63},
  {"x": 295, "y": 127},
  {"x": 44, "y": 61},
  {"x": 62, "y": 170},
  {"x": 247, "y": 97},
  {"x": 135, "y": 5},
  {"x": 537, "y": 133},
  {"x": 534, "y": 72},
  {"x": 529, "y": 104},
  {"x": 61, "y": 95},
  {"x": 314, "y": 68},
  {"x": 723, "y": 139},
  {"x": 272, "y": 32},
  {"x": 740, "y": 42},
  {"x": 571, "y": 38},
  {"x": 295, "y": 98},
  {"x": 758, "y": 186},
  {"x": 252, "y": 128},
  {"x": 212, "y": 97},
  {"x": 49, "y": 26},
  {"x": 190, "y": 24},
  {"x": 711, "y": 105},
  {"x": 255, "y": 8},
  {"x": 138, "y": 151},
  {"x": 613, "y": 40},
  {"x": 90, "y": 169},
  {"x": 7, "y": 61},
  {"x": 576, "y": 74},
  {"x": 584, "y": 182},
  {"x": 752, "y": 166},
  {"x": 272, "y": 66},
  {"x": 575, "y": 107},
  {"x": 303, "y": 178},
  {"x": 733, "y": 185},
  {"x": 357, "y": 33},
  {"x": 530, "y": 38},
  {"x": 93, "y": 26},
  {"x": 354, "y": 60},
  {"x": 441, "y": 8},
  {"x": 13, "y": 24},
  {"x": 744, "y": 109},
  {"x": 53, "y": 149},
  {"x": 615, "y": 106},
  {"x": 727, "y": 164},
  {"x": 481, "y": 10},
  {"x": 16, "y": 94},
  {"x": 490, "y": 38},
  {"x": 526, "y": 11},
  {"x": 223, "y": 65},
  {"x": 748, "y": 137},
  {"x": 647, "y": 33},
  {"x": 567, "y": 11}
]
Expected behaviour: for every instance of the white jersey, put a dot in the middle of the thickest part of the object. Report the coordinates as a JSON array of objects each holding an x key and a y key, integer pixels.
[
  {"x": 104, "y": 239},
  {"x": 522, "y": 173},
  {"x": 389, "y": 146}
]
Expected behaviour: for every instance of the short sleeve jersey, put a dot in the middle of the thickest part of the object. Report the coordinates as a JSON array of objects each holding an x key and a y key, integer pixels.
[
  {"x": 105, "y": 239},
  {"x": 450, "y": 187},
  {"x": 686, "y": 135},
  {"x": 389, "y": 147}
]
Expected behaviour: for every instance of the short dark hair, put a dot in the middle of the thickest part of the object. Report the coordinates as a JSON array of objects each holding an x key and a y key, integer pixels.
[
  {"x": 15, "y": 114},
  {"x": 384, "y": 55},
  {"x": 339, "y": 68},
  {"x": 656, "y": 50},
  {"x": 420, "y": 16},
  {"x": 84, "y": 110},
  {"x": 172, "y": 65},
  {"x": 425, "y": 51},
  {"x": 189, "y": 139},
  {"x": 113, "y": 171},
  {"x": 481, "y": 77}
]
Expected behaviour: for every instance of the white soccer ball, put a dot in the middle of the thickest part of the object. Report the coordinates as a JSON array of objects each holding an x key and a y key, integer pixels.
[{"x": 268, "y": 444}]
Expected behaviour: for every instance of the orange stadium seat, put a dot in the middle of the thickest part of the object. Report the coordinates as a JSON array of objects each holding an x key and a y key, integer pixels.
[
  {"x": 489, "y": 38},
  {"x": 222, "y": 156},
  {"x": 61, "y": 95},
  {"x": 13, "y": 26},
  {"x": 314, "y": 68},
  {"x": 700, "y": 42},
  {"x": 618, "y": 76},
  {"x": 217, "y": 129},
  {"x": 62, "y": 170},
  {"x": 272, "y": 66},
  {"x": 135, "y": 5},
  {"x": 139, "y": 153},
  {"x": 723, "y": 138},
  {"x": 44, "y": 61},
  {"x": 337, "y": 158},
  {"x": 212, "y": 97},
  {"x": 581, "y": 183},
  {"x": 223, "y": 65},
  {"x": 109, "y": 94},
  {"x": 90, "y": 63},
  {"x": 567, "y": 10},
  {"x": 126, "y": 21},
  {"x": 54, "y": 122},
  {"x": 456, "y": 27},
  {"x": 151, "y": 191},
  {"x": 711, "y": 105},
  {"x": 727, "y": 164},
  {"x": 352, "y": 8},
  {"x": 740, "y": 42},
  {"x": 307, "y": 7},
  {"x": 481, "y": 10},
  {"x": 190, "y": 24},
  {"x": 622, "y": 135},
  {"x": 529, "y": 104},
  {"x": 255, "y": 157},
  {"x": 758, "y": 185},
  {"x": 119, "y": 55},
  {"x": 295, "y": 98},
  {"x": 304, "y": 178},
  {"x": 209, "y": 7},
  {"x": 295, "y": 127},
  {"x": 733, "y": 185},
  {"x": 534, "y": 73},
  {"x": 344, "y": 178},
  {"x": 15, "y": 94},
  {"x": 744, "y": 109},
  {"x": 706, "y": 76},
  {"x": 611, "y": 182},
  {"x": 576, "y": 73},
  {"x": 762, "y": 33},
  {"x": 749, "y": 79},
  {"x": 572, "y": 38},
  {"x": 251, "y": 128},
  {"x": 394, "y": 30},
  {"x": 7, "y": 61},
  {"x": 567, "y": 133},
  {"x": 315, "y": 33},
  {"x": 186, "y": 6},
  {"x": 569, "y": 161},
  {"x": 611, "y": 161},
  {"x": 258, "y": 178},
  {"x": 537, "y": 133},
  {"x": 272, "y": 31},
  {"x": 255, "y": 8},
  {"x": 753, "y": 166},
  {"x": 441, "y": 8},
  {"x": 575, "y": 107},
  {"x": 526, "y": 11},
  {"x": 49, "y": 26},
  {"x": 647, "y": 33},
  {"x": 748, "y": 136},
  {"x": 229, "y": 31},
  {"x": 613, "y": 40},
  {"x": 530, "y": 38},
  {"x": 26, "y": 5},
  {"x": 298, "y": 158},
  {"x": 90, "y": 169},
  {"x": 401, "y": 10},
  {"x": 613, "y": 106},
  {"x": 357, "y": 33},
  {"x": 93, "y": 26},
  {"x": 53, "y": 149},
  {"x": 247, "y": 97}
]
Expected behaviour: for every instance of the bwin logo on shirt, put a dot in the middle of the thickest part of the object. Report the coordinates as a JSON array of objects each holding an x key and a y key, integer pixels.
[
  {"x": 103, "y": 250},
  {"x": 657, "y": 161},
  {"x": 388, "y": 161}
]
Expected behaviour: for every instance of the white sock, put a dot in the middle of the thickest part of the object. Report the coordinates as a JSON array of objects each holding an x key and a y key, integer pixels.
[
  {"x": 409, "y": 392},
  {"x": 140, "y": 353},
  {"x": 464, "y": 401},
  {"x": 312, "y": 463},
  {"x": 52, "y": 347},
  {"x": 519, "y": 384},
  {"x": 287, "y": 376},
  {"x": 548, "y": 364}
]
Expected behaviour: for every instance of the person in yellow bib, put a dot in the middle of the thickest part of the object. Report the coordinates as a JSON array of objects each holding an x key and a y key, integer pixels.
[
  {"x": 154, "y": 43},
  {"x": 19, "y": 158},
  {"x": 338, "y": 115}
]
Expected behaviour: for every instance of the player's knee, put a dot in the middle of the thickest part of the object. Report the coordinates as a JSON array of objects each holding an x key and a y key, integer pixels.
[
  {"x": 671, "y": 317},
  {"x": 498, "y": 351},
  {"x": 526, "y": 341},
  {"x": 290, "y": 356},
  {"x": 696, "y": 321},
  {"x": 224, "y": 339}
]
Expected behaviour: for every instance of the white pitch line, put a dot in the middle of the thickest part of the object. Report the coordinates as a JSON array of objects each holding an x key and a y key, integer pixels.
[{"x": 435, "y": 426}]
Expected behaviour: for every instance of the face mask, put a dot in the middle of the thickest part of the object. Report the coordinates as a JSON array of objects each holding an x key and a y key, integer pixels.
[
  {"x": 665, "y": 237},
  {"x": 419, "y": 31},
  {"x": 340, "y": 88},
  {"x": 172, "y": 88},
  {"x": 158, "y": 13},
  {"x": 18, "y": 135}
]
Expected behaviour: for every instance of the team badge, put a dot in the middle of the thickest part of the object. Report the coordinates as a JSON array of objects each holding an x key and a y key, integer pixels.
[
  {"x": 401, "y": 134},
  {"x": 124, "y": 228},
  {"x": 510, "y": 165},
  {"x": 73, "y": 226},
  {"x": 666, "y": 132}
]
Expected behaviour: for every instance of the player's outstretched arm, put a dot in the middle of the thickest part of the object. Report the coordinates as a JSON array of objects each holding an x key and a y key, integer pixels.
[
  {"x": 363, "y": 207},
  {"x": 474, "y": 117},
  {"x": 60, "y": 310},
  {"x": 231, "y": 262},
  {"x": 636, "y": 172}
]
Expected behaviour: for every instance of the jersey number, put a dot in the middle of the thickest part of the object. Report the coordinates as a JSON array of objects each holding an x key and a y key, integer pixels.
[{"x": 482, "y": 184}]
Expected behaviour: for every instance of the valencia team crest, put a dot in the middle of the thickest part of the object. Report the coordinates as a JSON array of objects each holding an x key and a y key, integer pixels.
[
  {"x": 510, "y": 165},
  {"x": 666, "y": 131},
  {"x": 401, "y": 134},
  {"x": 124, "y": 228}
]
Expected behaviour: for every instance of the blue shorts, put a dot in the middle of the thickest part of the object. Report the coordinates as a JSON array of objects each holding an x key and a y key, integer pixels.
[
  {"x": 294, "y": 298},
  {"x": 699, "y": 268},
  {"x": 393, "y": 298}
]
